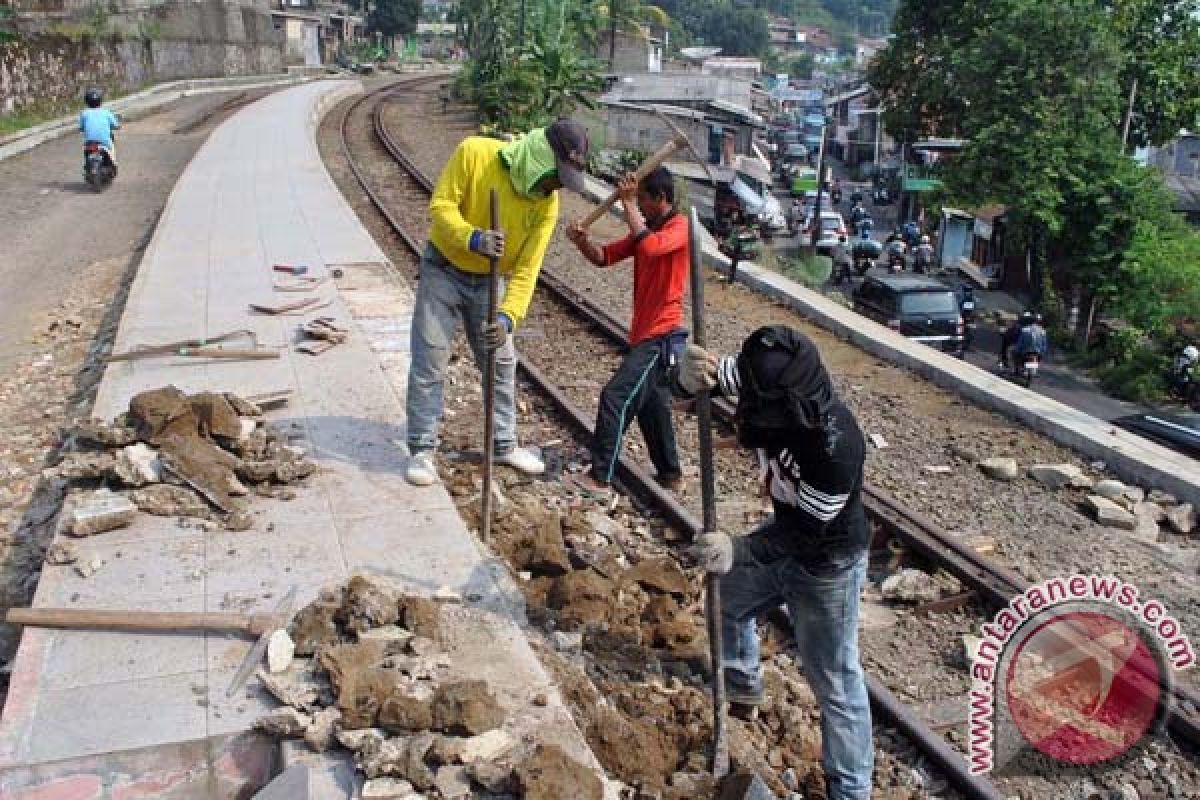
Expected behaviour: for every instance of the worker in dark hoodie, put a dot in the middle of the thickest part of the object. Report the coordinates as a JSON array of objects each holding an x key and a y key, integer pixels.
[{"x": 811, "y": 555}]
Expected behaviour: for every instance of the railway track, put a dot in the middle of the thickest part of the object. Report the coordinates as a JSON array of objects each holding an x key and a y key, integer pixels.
[{"x": 992, "y": 584}]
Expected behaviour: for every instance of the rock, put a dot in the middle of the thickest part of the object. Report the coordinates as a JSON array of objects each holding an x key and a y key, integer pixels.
[
  {"x": 494, "y": 778},
  {"x": 1162, "y": 498},
  {"x": 970, "y": 645},
  {"x": 415, "y": 769},
  {"x": 1146, "y": 528},
  {"x": 488, "y": 746},
  {"x": 280, "y": 649},
  {"x": 405, "y": 712},
  {"x": 568, "y": 642},
  {"x": 96, "y": 432},
  {"x": 216, "y": 416},
  {"x": 659, "y": 575},
  {"x": 248, "y": 427},
  {"x": 170, "y": 501},
  {"x": 396, "y": 637},
  {"x": 239, "y": 521},
  {"x": 1081, "y": 482},
  {"x": 85, "y": 466},
  {"x": 365, "y": 739},
  {"x": 1150, "y": 510},
  {"x": 550, "y": 774},
  {"x": 319, "y": 735},
  {"x": 1133, "y": 495},
  {"x": 1054, "y": 476},
  {"x": 137, "y": 465},
  {"x": 98, "y": 512},
  {"x": 878, "y": 440},
  {"x": 910, "y": 586},
  {"x": 298, "y": 689},
  {"x": 62, "y": 553},
  {"x": 389, "y": 758},
  {"x": 445, "y": 594},
  {"x": 421, "y": 615},
  {"x": 368, "y": 603},
  {"x": 1001, "y": 469},
  {"x": 605, "y": 525},
  {"x": 1182, "y": 518},
  {"x": 163, "y": 412},
  {"x": 314, "y": 627},
  {"x": 453, "y": 782},
  {"x": 287, "y": 722},
  {"x": 387, "y": 789},
  {"x": 90, "y": 567},
  {"x": 1110, "y": 489},
  {"x": 467, "y": 708},
  {"x": 1109, "y": 513}
]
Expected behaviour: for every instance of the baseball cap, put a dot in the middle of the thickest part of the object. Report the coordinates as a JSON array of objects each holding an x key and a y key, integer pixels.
[{"x": 569, "y": 141}]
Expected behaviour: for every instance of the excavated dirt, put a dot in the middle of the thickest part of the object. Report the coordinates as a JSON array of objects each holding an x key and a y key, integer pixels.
[{"x": 550, "y": 775}]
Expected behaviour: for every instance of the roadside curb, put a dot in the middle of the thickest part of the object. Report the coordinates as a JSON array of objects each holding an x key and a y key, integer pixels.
[
  {"x": 1132, "y": 458},
  {"x": 138, "y": 104}
]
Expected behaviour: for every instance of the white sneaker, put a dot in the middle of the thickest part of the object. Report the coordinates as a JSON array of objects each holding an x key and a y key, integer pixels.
[
  {"x": 420, "y": 470},
  {"x": 522, "y": 460}
]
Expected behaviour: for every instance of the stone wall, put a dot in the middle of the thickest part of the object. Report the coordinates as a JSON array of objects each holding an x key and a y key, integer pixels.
[{"x": 47, "y": 68}]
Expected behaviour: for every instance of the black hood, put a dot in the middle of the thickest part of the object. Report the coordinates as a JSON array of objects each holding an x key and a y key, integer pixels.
[{"x": 784, "y": 385}]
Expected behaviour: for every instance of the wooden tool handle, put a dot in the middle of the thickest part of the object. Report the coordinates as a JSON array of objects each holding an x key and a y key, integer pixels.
[
  {"x": 652, "y": 163},
  {"x": 228, "y": 352},
  {"x": 87, "y": 619}
]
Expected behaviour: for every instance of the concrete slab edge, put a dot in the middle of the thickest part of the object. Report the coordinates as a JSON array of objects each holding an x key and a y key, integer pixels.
[
  {"x": 225, "y": 766},
  {"x": 138, "y": 104},
  {"x": 1131, "y": 457}
]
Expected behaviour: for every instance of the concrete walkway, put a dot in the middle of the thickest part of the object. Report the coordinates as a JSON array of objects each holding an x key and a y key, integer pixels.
[{"x": 98, "y": 714}]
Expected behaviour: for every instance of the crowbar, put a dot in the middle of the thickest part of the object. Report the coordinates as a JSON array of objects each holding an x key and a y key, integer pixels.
[
  {"x": 201, "y": 348},
  {"x": 489, "y": 385},
  {"x": 708, "y": 494}
]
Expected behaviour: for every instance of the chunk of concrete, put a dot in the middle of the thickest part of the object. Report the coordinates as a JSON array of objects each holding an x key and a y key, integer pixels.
[
  {"x": 98, "y": 512},
  {"x": 1054, "y": 476},
  {"x": 910, "y": 586},
  {"x": 291, "y": 784},
  {"x": 137, "y": 465},
  {"x": 1110, "y": 489},
  {"x": 280, "y": 650},
  {"x": 87, "y": 569},
  {"x": 1000, "y": 469},
  {"x": 1107, "y": 512},
  {"x": 568, "y": 642},
  {"x": 62, "y": 553},
  {"x": 453, "y": 782},
  {"x": 1182, "y": 518},
  {"x": 85, "y": 466},
  {"x": 1150, "y": 510},
  {"x": 550, "y": 774},
  {"x": 488, "y": 746},
  {"x": 364, "y": 739},
  {"x": 495, "y": 778},
  {"x": 320, "y": 734},
  {"x": 466, "y": 708},
  {"x": 283, "y": 722},
  {"x": 387, "y": 789}
]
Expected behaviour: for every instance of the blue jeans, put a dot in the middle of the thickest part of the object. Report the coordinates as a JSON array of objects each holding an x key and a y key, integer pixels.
[
  {"x": 446, "y": 298},
  {"x": 823, "y": 605}
]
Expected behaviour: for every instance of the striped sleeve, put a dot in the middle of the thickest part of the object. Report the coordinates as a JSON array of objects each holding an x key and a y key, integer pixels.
[
  {"x": 728, "y": 380},
  {"x": 818, "y": 504}
]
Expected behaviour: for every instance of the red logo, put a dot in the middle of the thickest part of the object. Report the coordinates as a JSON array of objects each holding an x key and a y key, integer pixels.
[{"x": 1084, "y": 687}]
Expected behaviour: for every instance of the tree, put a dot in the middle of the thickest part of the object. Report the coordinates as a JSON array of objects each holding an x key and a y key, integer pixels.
[{"x": 394, "y": 17}]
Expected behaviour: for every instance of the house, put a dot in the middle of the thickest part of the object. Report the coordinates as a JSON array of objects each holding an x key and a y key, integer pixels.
[
  {"x": 815, "y": 41},
  {"x": 866, "y": 50},
  {"x": 687, "y": 89},
  {"x": 436, "y": 39},
  {"x": 315, "y": 30},
  {"x": 635, "y": 51},
  {"x": 716, "y": 129},
  {"x": 784, "y": 35},
  {"x": 1179, "y": 161},
  {"x": 732, "y": 67}
]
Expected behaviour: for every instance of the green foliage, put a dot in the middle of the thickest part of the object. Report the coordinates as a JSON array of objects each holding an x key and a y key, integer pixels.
[
  {"x": 7, "y": 34},
  {"x": 520, "y": 87},
  {"x": 739, "y": 30},
  {"x": 394, "y": 17}
]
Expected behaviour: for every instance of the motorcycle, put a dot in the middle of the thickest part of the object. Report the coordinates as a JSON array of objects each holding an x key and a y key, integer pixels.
[
  {"x": 1025, "y": 368},
  {"x": 98, "y": 167},
  {"x": 895, "y": 257},
  {"x": 1185, "y": 390},
  {"x": 864, "y": 253},
  {"x": 966, "y": 308}
]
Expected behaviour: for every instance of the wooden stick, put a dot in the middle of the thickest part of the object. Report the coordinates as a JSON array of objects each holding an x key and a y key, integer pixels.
[{"x": 652, "y": 163}]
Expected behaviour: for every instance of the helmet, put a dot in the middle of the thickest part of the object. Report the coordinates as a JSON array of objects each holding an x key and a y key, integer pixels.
[
  {"x": 1038, "y": 318},
  {"x": 1027, "y": 318},
  {"x": 1191, "y": 353},
  {"x": 924, "y": 240},
  {"x": 93, "y": 97}
]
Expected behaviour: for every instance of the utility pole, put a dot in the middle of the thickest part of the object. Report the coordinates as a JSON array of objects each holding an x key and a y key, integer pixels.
[
  {"x": 816, "y": 231},
  {"x": 1133, "y": 87},
  {"x": 612, "y": 35},
  {"x": 521, "y": 27}
]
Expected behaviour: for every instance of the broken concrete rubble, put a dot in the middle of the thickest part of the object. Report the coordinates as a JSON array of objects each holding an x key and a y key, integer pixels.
[
  {"x": 100, "y": 511},
  {"x": 467, "y": 708},
  {"x": 1054, "y": 476},
  {"x": 285, "y": 722},
  {"x": 137, "y": 465},
  {"x": 164, "y": 500},
  {"x": 320, "y": 734},
  {"x": 1182, "y": 518},
  {"x": 280, "y": 650},
  {"x": 550, "y": 774},
  {"x": 1001, "y": 469},
  {"x": 1110, "y": 513}
]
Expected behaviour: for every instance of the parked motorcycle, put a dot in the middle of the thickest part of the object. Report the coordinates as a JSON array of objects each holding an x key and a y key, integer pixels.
[{"x": 98, "y": 167}]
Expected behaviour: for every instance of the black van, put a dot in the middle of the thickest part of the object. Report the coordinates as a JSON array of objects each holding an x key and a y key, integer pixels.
[{"x": 920, "y": 308}]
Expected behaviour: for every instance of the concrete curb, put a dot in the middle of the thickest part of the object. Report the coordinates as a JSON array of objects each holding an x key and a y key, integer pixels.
[
  {"x": 137, "y": 104},
  {"x": 1132, "y": 458}
]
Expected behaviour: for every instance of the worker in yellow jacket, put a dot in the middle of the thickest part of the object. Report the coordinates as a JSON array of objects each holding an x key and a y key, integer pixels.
[{"x": 526, "y": 174}]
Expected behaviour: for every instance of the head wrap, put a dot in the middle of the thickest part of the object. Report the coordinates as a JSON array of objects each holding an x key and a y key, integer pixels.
[
  {"x": 784, "y": 385},
  {"x": 529, "y": 159}
]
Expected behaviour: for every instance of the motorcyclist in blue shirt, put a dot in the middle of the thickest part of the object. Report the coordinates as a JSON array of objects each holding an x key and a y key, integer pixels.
[
  {"x": 97, "y": 124},
  {"x": 1026, "y": 336}
]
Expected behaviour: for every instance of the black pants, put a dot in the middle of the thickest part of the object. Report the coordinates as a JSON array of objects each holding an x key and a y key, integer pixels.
[{"x": 638, "y": 389}]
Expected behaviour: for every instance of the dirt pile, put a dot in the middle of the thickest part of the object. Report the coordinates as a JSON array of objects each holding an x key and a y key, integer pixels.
[
  {"x": 174, "y": 454},
  {"x": 371, "y": 676}
]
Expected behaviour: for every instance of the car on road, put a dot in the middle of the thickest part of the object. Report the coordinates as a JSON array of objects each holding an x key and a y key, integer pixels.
[
  {"x": 1180, "y": 432},
  {"x": 923, "y": 309},
  {"x": 832, "y": 231}
]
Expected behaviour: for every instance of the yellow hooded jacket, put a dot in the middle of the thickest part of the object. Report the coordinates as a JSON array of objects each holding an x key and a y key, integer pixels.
[{"x": 460, "y": 205}]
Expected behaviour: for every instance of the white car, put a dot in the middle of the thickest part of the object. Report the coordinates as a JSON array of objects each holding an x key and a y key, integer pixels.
[{"x": 832, "y": 232}]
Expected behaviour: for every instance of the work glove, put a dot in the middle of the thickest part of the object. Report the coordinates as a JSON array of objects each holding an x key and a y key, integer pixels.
[
  {"x": 698, "y": 372},
  {"x": 713, "y": 551},
  {"x": 496, "y": 332},
  {"x": 489, "y": 244}
]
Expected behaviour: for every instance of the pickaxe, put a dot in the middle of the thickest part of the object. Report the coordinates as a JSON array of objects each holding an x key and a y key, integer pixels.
[{"x": 261, "y": 625}]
